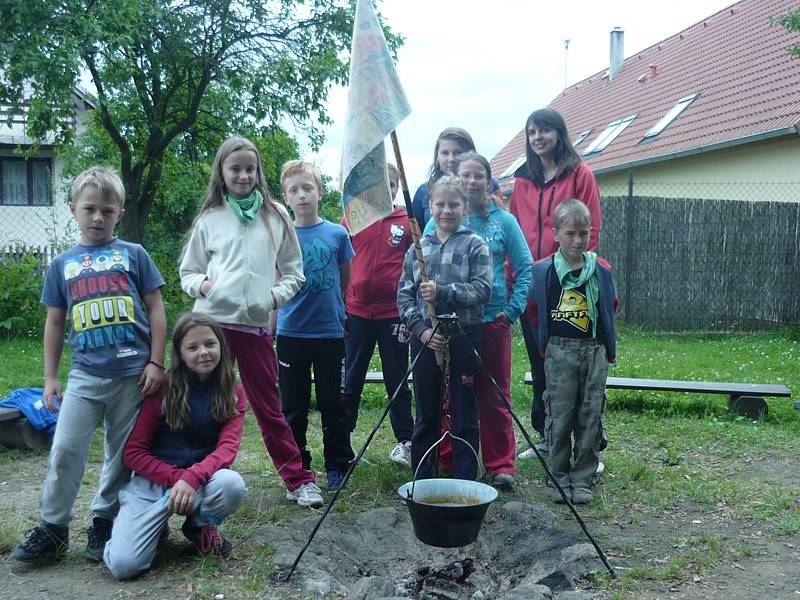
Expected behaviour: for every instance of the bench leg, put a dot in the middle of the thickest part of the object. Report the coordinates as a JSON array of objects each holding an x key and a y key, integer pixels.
[
  {"x": 19, "y": 433},
  {"x": 752, "y": 407}
]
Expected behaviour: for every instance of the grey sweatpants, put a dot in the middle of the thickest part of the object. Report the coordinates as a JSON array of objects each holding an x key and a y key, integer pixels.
[
  {"x": 144, "y": 512},
  {"x": 576, "y": 372},
  {"x": 87, "y": 400}
]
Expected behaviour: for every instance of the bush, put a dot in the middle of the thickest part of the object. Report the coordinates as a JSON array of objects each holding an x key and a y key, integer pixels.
[{"x": 21, "y": 314}]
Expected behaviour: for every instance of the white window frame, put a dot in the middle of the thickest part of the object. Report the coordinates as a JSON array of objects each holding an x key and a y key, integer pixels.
[
  {"x": 29, "y": 181},
  {"x": 520, "y": 160},
  {"x": 581, "y": 137},
  {"x": 609, "y": 135},
  {"x": 671, "y": 115}
]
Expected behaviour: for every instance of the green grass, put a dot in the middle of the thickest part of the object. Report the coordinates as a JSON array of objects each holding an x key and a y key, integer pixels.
[{"x": 670, "y": 456}]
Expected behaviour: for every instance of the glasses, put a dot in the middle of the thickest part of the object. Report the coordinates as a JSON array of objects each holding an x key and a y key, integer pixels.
[{"x": 473, "y": 177}]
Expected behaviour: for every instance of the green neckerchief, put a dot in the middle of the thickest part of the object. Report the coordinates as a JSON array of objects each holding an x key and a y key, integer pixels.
[
  {"x": 246, "y": 208},
  {"x": 569, "y": 281}
]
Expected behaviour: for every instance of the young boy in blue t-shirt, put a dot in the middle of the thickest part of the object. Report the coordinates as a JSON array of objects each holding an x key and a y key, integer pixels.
[
  {"x": 311, "y": 325},
  {"x": 109, "y": 290}
]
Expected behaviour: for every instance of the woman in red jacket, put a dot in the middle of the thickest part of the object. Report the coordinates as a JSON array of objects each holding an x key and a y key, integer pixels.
[
  {"x": 181, "y": 448},
  {"x": 552, "y": 173}
]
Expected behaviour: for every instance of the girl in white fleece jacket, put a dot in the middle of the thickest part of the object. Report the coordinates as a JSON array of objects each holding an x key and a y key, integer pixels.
[{"x": 239, "y": 239}]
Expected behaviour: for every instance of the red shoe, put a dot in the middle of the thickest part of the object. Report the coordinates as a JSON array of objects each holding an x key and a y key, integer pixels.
[{"x": 207, "y": 539}]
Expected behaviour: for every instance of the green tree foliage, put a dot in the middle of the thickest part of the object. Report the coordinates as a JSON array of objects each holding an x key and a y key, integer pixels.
[
  {"x": 173, "y": 75},
  {"x": 790, "y": 21}
]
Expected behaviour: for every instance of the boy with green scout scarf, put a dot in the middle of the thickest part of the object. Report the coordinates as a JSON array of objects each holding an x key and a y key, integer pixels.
[{"x": 576, "y": 300}]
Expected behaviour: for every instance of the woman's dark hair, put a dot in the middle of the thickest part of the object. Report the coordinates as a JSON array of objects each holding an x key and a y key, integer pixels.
[
  {"x": 566, "y": 157},
  {"x": 176, "y": 398}
]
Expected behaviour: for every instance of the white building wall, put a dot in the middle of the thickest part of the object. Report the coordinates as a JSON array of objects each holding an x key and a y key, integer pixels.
[
  {"x": 39, "y": 226},
  {"x": 760, "y": 171}
]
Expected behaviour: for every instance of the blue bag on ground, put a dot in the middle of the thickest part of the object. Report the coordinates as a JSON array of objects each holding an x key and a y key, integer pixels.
[{"x": 30, "y": 403}]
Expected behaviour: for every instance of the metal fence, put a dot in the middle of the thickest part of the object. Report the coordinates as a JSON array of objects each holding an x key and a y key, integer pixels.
[
  {"x": 37, "y": 226},
  {"x": 686, "y": 257},
  {"x": 42, "y": 254}
]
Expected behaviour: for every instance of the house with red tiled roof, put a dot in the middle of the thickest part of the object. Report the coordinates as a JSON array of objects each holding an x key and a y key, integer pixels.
[{"x": 715, "y": 104}]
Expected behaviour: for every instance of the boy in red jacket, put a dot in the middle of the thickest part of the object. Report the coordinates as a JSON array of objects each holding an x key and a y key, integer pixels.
[{"x": 372, "y": 317}]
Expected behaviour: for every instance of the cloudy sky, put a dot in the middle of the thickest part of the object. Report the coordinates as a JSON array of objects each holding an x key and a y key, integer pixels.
[{"x": 484, "y": 65}]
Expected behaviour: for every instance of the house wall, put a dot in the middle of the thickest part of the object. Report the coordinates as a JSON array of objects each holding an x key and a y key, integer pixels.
[
  {"x": 39, "y": 225},
  {"x": 759, "y": 171}
]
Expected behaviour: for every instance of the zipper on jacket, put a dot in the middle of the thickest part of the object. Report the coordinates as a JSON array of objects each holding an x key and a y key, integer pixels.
[
  {"x": 550, "y": 201},
  {"x": 539, "y": 239},
  {"x": 247, "y": 266},
  {"x": 376, "y": 246},
  {"x": 441, "y": 248}
]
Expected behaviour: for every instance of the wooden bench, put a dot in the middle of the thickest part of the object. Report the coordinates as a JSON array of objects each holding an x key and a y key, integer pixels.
[
  {"x": 17, "y": 432},
  {"x": 743, "y": 398}
]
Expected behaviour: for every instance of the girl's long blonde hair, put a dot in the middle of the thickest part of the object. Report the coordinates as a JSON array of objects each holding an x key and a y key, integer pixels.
[
  {"x": 215, "y": 193},
  {"x": 176, "y": 399}
]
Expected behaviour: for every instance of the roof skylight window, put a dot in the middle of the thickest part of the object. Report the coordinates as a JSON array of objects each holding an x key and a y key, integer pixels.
[
  {"x": 581, "y": 136},
  {"x": 668, "y": 118},
  {"x": 609, "y": 135}
]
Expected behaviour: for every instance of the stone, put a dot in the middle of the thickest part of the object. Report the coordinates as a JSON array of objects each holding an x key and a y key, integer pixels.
[
  {"x": 558, "y": 582},
  {"x": 371, "y": 588},
  {"x": 528, "y": 591},
  {"x": 322, "y": 584}
]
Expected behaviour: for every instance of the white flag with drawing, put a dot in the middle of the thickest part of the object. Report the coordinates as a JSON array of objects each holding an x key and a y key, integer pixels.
[{"x": 376, "y": 104}]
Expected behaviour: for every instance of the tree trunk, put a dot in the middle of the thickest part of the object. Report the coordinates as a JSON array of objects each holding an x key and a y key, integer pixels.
[
  {"x": 137, "y": 203},
  {"x": 131, "y": 226}
]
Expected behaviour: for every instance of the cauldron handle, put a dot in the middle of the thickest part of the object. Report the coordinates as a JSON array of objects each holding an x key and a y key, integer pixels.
[{"x": 410, "y": 495}]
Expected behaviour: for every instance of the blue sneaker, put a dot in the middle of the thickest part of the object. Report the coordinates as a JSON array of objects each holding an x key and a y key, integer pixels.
[{"x": 335, "y": 479}]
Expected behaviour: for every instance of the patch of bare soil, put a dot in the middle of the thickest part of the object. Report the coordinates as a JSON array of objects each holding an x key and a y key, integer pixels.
[
  {"x": 376, "y": 551},
  {"x": 520, "y": 547},
  {"x": 750, "y": 562},
  {"x": 773, "y": 572}
]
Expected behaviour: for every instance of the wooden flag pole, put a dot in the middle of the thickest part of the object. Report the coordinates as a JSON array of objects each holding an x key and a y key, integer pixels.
[{"x": 412, "y": 221}]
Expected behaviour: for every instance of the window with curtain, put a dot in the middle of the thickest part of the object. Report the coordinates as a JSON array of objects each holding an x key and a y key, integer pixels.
[{"x": 25, "y": 182}]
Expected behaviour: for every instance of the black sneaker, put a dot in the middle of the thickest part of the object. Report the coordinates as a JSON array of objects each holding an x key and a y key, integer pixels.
[
  {"x": 43, "y": 544},
  {"x": 98, "y": 533}
]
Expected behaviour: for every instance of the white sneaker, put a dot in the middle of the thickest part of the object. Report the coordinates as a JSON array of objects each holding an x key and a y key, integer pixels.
[
  {"x": 526, "y": 454},
  {"x": 307, "y": 494},
  {"x": 541, "y": 446},
  {"x": 600, "y": 468},
  {"x": 401, "y": 454}
]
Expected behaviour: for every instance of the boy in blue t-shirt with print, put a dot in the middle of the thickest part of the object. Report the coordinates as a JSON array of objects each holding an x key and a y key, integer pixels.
[
  {"x": 109, "y": 290},
  {"x": 311, "y": 325}
]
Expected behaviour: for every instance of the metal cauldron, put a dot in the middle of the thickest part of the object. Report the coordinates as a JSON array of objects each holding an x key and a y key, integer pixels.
[{"x": 447, "y": 513}]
